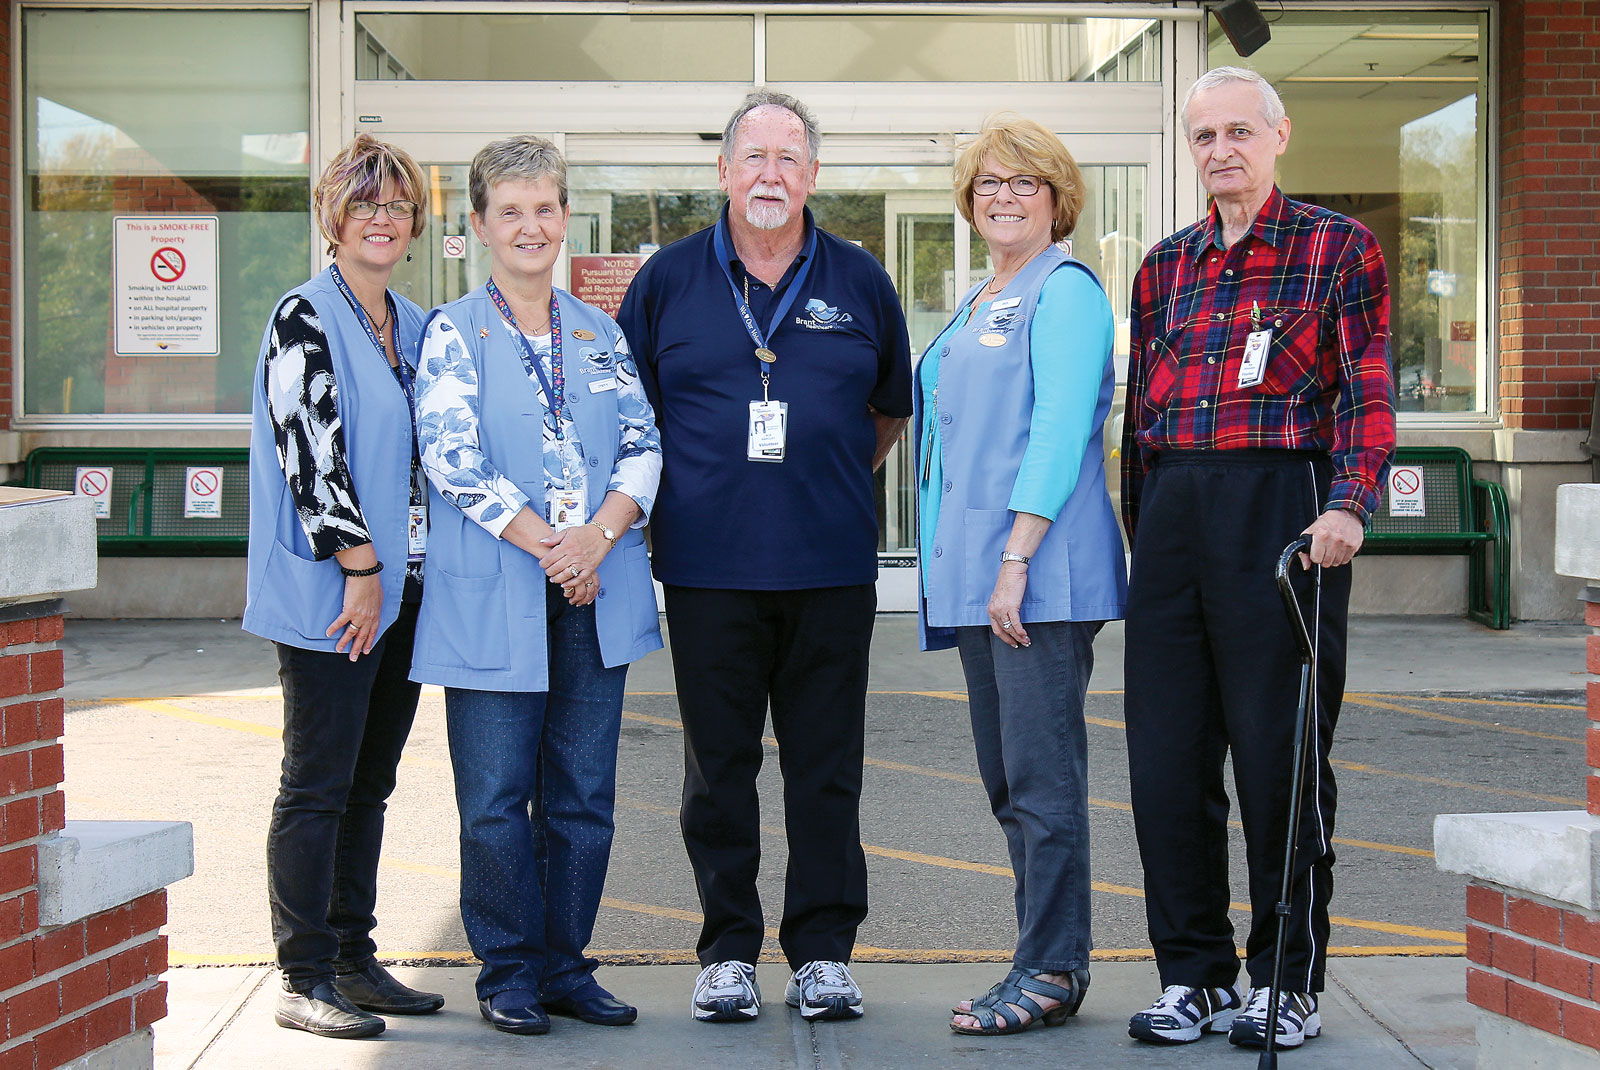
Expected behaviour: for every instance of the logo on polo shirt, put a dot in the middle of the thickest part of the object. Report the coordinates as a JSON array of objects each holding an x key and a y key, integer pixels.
[{"x": 821, "y": 316}]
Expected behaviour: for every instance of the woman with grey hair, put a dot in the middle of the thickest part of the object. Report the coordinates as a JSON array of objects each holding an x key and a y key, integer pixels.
[{"x": 541, "y": 449}]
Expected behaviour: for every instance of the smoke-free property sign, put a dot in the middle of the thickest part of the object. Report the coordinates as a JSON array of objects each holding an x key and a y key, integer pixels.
[{"x": 164, "y": 289}]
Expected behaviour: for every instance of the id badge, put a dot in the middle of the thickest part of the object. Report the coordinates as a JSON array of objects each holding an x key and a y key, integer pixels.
[
  {"x": 769, "y": 427},
  {"x": 1254, "y": 366},
  {"x": 417, "y": 533},
  {"x": 567, "y": 510}
]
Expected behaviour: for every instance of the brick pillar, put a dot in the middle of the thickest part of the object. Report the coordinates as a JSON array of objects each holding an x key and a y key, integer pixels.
[
  {"x": 1533, "y": 897},
  {"x": 65, "y": 990}
]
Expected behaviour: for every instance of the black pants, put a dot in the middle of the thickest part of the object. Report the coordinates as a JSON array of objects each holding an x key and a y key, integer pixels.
[
  {"x": 344, "y": 725},
  {"x": 1212, "y": 666},
  {"x": 805, "y": 652}
]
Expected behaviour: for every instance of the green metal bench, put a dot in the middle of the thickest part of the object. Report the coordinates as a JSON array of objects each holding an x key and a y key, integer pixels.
[
  {"x": 147, "y": 498},
  {"x": 1461, "y": 515}
]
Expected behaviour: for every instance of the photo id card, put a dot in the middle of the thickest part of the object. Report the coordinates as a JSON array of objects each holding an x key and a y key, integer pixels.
[
  {"x": 769, "y": 426},
  {"x": 1254, "y": 366},
  {"x": 417, "y": 533},
  {"x": 566, "y": 510}
]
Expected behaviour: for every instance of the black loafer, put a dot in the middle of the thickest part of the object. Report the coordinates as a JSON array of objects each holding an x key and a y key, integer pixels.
[
  {"x": 325, "y": 1012},
  {"x": 593, "y": 1004},
  {"x": 373, "y": 988},
  {"x": 523, "y": 1017}
]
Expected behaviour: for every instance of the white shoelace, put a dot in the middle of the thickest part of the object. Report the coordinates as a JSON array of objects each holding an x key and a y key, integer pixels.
[
  {"x": 728, "y": 974},
  {"x": 830, "y": 975},
  {"x": 1172, "y": 997}
]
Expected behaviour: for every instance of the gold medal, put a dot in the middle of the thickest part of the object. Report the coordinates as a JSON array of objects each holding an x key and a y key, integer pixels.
[
  {"x": 766, "y": 356},
  {"x": 992, "y": 340},
  {"x": 582, "y": 335}
]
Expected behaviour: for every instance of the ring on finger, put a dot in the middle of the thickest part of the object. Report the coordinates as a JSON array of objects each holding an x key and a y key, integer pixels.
[
  {"x": 1005, "y": 624},
  {"x": 574, "y": 570},
  {"x": 588, "y": 583}
]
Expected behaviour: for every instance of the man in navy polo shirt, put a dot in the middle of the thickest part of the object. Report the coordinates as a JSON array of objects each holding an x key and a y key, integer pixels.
[{"x": 777, "y": 359}]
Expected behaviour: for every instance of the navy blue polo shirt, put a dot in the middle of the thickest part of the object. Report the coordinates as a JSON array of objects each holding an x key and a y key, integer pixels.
[{"x": 721, "y": 520}]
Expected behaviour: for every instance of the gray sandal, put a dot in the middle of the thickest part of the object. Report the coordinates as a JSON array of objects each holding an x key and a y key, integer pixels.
[{"x": 994, "y": 1013}]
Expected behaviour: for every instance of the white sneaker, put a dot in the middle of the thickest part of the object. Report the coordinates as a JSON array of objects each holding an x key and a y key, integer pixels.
[
  {"x": 1297, "y": 1017},
  {"x": 824, "y": 990},
  {"x": 726, "y": 992},
  {"x": 1184, "y": 1014}
]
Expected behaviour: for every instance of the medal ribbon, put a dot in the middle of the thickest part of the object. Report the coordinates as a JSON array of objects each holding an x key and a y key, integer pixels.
[
  {"x": 785, "y": 301},
  {"x": 556, "y": 391}
]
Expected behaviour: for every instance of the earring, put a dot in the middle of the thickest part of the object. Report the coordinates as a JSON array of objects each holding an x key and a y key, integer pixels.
[
  {"x": 485, "y": 244},
  {"x": 408, "y": 258}
]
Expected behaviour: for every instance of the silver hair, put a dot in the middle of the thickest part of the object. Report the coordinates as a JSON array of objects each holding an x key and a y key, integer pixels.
[
  {"x": 1271, "y": 104},
  {"x": 764, "y": 98},
  {"x": 519, "y": 158}
]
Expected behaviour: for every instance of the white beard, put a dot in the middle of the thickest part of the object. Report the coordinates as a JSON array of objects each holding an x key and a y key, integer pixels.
[{"x": 767, "y": 217}]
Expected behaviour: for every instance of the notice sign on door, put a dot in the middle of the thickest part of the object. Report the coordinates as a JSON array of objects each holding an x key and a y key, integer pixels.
[
  {"x": 164, "y": 288},
  {"x": 602, "y": 278},
  {"x": 202, "y": 493},
  {"x": 95, "y": 484},
  {"x": 1405, "y": 491}
]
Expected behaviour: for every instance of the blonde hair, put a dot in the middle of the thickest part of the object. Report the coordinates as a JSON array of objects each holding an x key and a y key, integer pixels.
[
  {"x": 1029, "y": 148},
  {"x": 518, "y": 158},
  {"x": 358, "y": 173}
]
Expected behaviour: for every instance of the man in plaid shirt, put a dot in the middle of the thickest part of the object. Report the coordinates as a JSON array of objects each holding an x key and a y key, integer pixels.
[{"x": 1260, "y": 407}]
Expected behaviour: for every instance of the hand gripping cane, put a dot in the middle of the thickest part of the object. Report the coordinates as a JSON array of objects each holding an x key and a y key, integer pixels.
[{"x": 1302, "y": 725}]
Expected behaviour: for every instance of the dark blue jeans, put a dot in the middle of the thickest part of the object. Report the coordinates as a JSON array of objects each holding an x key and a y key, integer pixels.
[
  {"x": 344, "y": 725},
  {"x": 536, "y": 784},
  {"x": 1033, "y": 755}
]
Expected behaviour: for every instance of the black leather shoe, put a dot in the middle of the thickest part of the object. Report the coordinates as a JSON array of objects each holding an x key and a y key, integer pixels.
[
  {"x": 593, "y": 1004},
  {"x": 325, "y": 1012},
  {"x": 373, "y": 988},
  {"x": 517, "y": 1012}
]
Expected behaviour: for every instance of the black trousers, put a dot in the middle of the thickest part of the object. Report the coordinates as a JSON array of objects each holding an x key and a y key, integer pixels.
[
  {"x": 344, "y": 725},
  {"x": 804, "y": 652},
  {"x": 1212, "y": 667}
]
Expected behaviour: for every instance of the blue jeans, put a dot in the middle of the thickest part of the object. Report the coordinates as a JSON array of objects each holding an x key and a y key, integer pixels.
[
  {"x": 1033, "y": 755},
  {"x": 536, "y": 784},
  {"x": 344, "y": 725}
]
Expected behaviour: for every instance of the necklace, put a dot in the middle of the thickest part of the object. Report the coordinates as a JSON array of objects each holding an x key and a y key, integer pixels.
[{"x": 379, "y": 327}]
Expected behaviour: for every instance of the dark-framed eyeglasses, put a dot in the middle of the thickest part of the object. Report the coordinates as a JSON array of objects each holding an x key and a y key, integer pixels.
[
  {"x": 1021, "y": 185},
  {"x": 368, "y": 209}
]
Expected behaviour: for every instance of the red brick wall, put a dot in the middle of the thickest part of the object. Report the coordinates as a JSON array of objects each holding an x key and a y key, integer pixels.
[
  {"x": 1549, "y": 186},
  {"x": 1535, "y": 962},
  {"x": 64, "y": 990}
]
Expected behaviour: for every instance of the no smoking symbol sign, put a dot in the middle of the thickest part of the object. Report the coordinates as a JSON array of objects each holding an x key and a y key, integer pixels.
[
  {"x": 1406, "y": 482},
  {"x": 203, "y": 483},
  {"x": 167, "y": 264},
  {"x": 92, "y": 483}
]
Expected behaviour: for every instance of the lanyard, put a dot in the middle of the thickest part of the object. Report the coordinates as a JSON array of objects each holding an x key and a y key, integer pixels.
[
  {"x": 400, "y": 369},
  {"x": 785, "y": 301},
  {"x": 530, "y": 360}
]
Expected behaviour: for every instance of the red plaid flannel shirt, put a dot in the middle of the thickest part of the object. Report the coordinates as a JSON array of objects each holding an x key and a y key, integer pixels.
[{"x": 1319, "y": 283}]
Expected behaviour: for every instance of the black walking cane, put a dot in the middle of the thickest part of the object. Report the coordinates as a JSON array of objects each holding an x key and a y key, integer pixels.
[{"x": 1302, "y": 725}]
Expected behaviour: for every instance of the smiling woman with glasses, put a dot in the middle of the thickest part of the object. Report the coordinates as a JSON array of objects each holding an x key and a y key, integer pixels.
[
  {"x": 1011, "y": 399},
  {"x": 337, "y": 528}
]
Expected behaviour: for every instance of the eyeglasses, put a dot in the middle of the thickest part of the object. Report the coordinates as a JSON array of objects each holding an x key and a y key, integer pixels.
[
  {"x": 368, "y": 209},
  {"x": 1021, "y": 185}
]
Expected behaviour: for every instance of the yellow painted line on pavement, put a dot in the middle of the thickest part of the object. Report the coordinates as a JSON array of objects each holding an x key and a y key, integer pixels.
[
  {"x": 1480, "y": 701},
  {"x": 1379, "y": 704},
  {"x": 171, "y": 709},
  {"x": 1357, "y": 767}
]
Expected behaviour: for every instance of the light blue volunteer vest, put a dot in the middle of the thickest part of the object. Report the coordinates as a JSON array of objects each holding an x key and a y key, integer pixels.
[
  {"x": 482, "y": 624},
  {"x": 291, "y": 598},
  {"x": 985, "y": 405}
]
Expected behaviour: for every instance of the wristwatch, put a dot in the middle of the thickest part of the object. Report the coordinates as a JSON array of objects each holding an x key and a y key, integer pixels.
[
  {"x": 610, "y": 535},
  {"x": 1007, "y": 555}
]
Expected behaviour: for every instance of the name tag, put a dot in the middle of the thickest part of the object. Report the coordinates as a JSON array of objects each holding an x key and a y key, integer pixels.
[
  {"x": 1010, "y": 302},
  {"x": 1254, "y": 366},
  {"x": 566, "y": 510},
  {"x": 769, "y": 431},
  {"x": 600, "y": 386},
  {"x": 417, "y": 533}
]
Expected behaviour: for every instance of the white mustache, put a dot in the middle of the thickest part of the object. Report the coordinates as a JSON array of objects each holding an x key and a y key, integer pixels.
[{"x": 777, "y": 193}]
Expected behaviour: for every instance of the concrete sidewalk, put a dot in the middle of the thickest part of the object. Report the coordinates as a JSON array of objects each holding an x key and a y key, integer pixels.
[{"x": 1377, "y": 1013}]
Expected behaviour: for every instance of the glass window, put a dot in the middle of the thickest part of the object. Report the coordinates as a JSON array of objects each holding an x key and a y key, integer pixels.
[
  {"x": 462, "y": 46},
  {"x": 911, "y": 48},
  {"x": 174, "y": 143},
  {"x": 1388, "y": 113}
]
